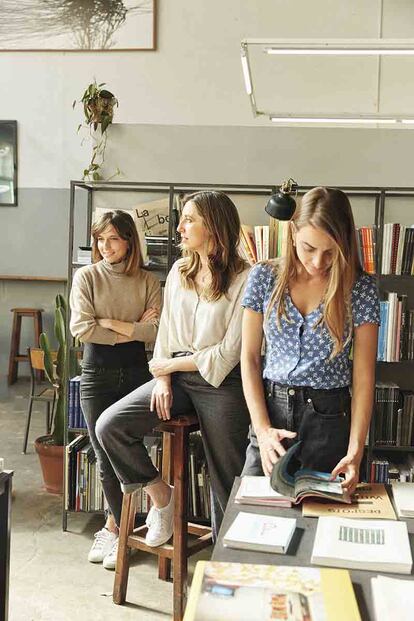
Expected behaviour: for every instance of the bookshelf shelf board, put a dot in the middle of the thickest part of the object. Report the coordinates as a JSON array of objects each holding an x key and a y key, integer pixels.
[
  {"x": 398, "y": 277},
  {"x": 383, "y": 362},
  {"x": 95, "y": 512},
  {"x": 385, "y": 447},
  {"x": 82, "y": 430}
]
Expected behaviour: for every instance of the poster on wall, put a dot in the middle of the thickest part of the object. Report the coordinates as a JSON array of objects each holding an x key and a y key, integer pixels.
[
  {"x": 8, "y": 163},
  {"x": 75, "y": 25}
]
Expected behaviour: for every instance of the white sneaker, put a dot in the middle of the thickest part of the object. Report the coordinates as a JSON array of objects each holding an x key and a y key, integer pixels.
[
  {"x": 104, "y": 540},
  {"x": 109, "y": 561},
  {"x": 160, "y": 524}
]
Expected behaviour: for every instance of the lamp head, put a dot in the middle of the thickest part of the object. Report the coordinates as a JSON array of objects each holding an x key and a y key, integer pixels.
[{"x": 282, "y": 205}]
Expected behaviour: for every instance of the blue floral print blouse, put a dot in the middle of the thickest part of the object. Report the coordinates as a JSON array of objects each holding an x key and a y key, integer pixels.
[{"x": 298, "y": 353}]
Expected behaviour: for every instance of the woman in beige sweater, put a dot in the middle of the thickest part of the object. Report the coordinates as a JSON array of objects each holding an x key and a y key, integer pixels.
[{"x": 114, "y": 312}]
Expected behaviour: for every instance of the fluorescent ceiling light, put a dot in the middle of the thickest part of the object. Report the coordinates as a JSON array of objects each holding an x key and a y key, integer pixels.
[
  {"x": 330, "y": 119},
  {"x": 338, "y": 52},
  {"x": 332, "y": 47},
  {"x": 246, "y": 74}
]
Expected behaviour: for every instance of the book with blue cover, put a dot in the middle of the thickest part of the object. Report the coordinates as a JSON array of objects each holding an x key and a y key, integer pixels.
[{"x": 297, "y": 483}]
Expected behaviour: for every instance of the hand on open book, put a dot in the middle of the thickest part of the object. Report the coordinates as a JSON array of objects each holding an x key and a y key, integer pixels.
[
  {"x": 271, "y": 447},
  {"x": 349, "y": 466}
]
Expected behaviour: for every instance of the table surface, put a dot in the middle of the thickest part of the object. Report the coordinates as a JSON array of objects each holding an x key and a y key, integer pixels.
[{"x": 300, "y": 548}]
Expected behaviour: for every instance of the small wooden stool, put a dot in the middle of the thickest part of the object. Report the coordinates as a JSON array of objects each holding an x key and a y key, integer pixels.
[
  {"x": 15, "y": 356},
  {"x": 175, "y": 452}
]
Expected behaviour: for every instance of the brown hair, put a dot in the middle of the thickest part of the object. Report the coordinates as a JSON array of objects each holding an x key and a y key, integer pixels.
[
  {"x": 221, "y": 219},
  {"x": 329, "y": 210},
  {"x": 126, "y": 229}
]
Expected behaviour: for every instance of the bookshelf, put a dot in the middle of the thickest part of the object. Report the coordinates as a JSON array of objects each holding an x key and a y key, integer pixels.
[{"x": 369, "y": 207}]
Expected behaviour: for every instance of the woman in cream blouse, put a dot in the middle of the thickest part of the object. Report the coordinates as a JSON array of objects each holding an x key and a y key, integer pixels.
[{"x": 195, "y": 365}]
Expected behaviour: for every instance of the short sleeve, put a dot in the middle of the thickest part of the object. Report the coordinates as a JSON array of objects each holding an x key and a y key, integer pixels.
[
  {"x": 259, "y": 282},
  {"x": 365, "y": 301}
]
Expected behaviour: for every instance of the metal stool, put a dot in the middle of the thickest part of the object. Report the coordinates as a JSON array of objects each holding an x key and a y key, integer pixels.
[
  {"x": 175, "y": 453},
  {"x": 15, "y": 356}
]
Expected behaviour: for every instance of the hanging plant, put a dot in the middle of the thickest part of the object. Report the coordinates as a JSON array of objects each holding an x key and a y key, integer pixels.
[{"x": 98, "y": 107}]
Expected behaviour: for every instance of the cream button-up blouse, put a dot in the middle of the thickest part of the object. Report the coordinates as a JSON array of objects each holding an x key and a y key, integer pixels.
[{"x": 211, "y": 331}]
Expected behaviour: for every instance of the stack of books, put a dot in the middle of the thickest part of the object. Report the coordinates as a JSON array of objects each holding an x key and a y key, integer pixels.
[
  {"x": 396, "y": 332},
  {"x": 398, "y": 249},
  {"x": 76, "y": 419},
  {"x": 367, "y": 241},
  {"x": 83, "y": 489}
]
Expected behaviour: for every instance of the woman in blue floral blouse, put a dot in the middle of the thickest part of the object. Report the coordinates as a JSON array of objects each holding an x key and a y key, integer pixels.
[{"x": 312, "y": 305}]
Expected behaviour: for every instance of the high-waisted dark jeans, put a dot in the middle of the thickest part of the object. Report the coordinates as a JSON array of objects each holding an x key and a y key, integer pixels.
[
  {"x": 224, "y": 424},
  {"x": 100, "y": 388},
  {"x": 321, "y": 418}
]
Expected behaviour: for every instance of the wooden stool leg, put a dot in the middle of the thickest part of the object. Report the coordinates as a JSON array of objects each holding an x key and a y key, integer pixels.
[
  {"x": 180, "y": 452},
  {"x": 37, "y": 318},
  {"x": 164, "y": 564},
  {"x": 14, "y": 348},
  {"x": 122, "y": 561}
]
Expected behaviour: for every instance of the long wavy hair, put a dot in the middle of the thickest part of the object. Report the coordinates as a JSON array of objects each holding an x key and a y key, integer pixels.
[
  {"x": 126, "y": 229},
  {"x": 221, "y": 219},
  {"x": 329, "y": 210}
]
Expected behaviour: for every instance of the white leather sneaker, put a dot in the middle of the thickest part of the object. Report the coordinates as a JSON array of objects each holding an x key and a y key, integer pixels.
[
  {"x": 160, "y": 524},
  {"x": 102, "y": 545},
  {"x": 109, "y": 561}
]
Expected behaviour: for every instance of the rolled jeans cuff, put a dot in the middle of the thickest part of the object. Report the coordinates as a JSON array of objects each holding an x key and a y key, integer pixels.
[{"x": 130, "y": 488}]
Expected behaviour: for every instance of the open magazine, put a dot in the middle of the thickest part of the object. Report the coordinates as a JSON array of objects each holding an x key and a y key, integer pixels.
[{"x": 297, "y": 484}]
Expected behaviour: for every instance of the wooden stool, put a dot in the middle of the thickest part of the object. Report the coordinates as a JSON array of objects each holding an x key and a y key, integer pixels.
[
  {"x": 15, "y": 356},
  {"x": 175, "y": 453}
]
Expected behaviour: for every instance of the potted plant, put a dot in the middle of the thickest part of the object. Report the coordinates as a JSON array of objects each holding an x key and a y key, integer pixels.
[
  {"x": 98, "y": 107},
  {"x": 50, "y": 447}
]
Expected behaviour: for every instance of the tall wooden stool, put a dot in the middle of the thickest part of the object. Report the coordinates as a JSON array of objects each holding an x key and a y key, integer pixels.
[
  {"x": 15, "y": 356},
  {"x": 175, "y": 456}
]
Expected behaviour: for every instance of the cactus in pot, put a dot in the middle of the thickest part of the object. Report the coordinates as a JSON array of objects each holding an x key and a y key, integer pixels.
[{"x": 56, "y": 371}]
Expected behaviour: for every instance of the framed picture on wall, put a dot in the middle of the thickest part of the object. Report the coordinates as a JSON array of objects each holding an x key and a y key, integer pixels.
[
  {"x": 8, "y": 163},
  {"x": 78, "y": 25}
]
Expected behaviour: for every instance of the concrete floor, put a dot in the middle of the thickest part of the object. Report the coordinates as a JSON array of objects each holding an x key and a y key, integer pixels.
[{"x": 50, "y": 578}]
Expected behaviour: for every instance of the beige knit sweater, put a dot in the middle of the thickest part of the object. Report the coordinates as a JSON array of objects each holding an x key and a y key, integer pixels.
[{"x": 103, "y": 291}]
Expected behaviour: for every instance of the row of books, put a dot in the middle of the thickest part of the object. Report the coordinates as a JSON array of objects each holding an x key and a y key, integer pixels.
[
  {"x": 366, "y": 244},
  {"x": 385, "y": 471},
  {"x": 76, "y": 419},
  {"x": 260, "y": 243},
  {"x": 83, "y": 489},
  {"x": 394, "y": 415},
  {"x": 398, "y": 249},
  {"x": 396, "y": 332}
]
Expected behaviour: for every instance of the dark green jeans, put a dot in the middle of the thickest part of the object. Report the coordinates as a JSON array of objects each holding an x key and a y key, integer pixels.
[{"x": 99, "y": 389}]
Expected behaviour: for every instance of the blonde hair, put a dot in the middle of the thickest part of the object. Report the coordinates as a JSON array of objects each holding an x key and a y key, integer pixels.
[
  {"x": 126, "y": 229},
  {"x": 221, "y": 219},
  {"x": 329, "y": 210}
]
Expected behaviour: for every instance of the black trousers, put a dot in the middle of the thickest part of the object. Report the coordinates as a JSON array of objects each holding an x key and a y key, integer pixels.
[
  {"x": 224, "y": 424},
  {"x": 321, "y": 418}
]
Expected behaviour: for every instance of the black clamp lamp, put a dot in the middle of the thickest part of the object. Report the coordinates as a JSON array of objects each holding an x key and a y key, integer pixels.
[{"x": 282, "y": 205}]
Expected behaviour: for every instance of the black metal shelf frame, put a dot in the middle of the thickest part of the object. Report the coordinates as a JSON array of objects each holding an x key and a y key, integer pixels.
[{"x": 379, "y": 194}]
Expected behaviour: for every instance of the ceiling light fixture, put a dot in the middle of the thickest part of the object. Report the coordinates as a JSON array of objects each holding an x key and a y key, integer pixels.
[{"x": 327, "y": 47}]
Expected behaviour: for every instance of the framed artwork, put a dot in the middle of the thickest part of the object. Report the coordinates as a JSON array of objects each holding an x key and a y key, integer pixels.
[
  {"x": 77, "y": 25},
  {"x": 8, "y": 163}
]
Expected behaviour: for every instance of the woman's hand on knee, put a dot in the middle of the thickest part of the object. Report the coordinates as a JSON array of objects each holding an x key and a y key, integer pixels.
[
  {"x": 349, "y": 466},
  {"x": 161, "y": 398},
  {"x": 271, "y": 447}
]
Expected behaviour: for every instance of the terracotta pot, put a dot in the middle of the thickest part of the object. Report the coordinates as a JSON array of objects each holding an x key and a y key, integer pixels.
[{"x": 51, "y": 462}]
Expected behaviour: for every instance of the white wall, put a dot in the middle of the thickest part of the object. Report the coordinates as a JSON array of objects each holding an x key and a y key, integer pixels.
[{"x": 194, "y": 77}]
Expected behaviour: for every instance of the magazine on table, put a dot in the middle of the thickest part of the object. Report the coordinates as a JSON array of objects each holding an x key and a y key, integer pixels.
[
  {"x": 264, "y": 533},
  {"x": 370, "y": 501},
  {"x": 258, "y": 491},
  {"x": 248, "y": 592},
  {"x": 403, "y": 494},
  {"x": 393, "y": 598},
  {"x": 296, "y": 484},
  {"x": 375, "y": 545}
]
